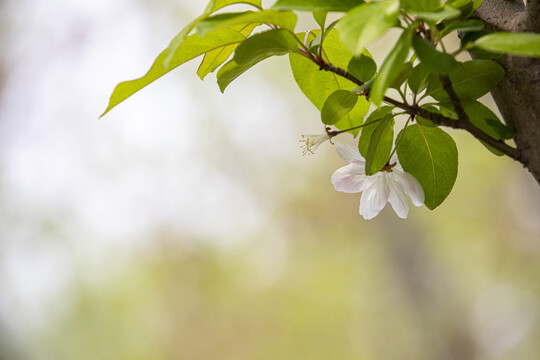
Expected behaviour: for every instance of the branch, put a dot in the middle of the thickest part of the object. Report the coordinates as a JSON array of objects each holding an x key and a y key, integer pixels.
[
  {"x": 441, "y": 120},
  {"x": 502, "y": 15},
  {"x": 447, "y": 86},
  {"x": 326, "y": 66},
  {"x": 462, "y": 123},
  {"x": 531, "y": 19}
]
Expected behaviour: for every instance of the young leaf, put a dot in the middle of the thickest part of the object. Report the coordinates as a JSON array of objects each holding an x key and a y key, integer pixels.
[
  {"x": 520, "y": 44},
  {"x": 213, "y": 5},
  {"x": 229, "y": 72},
  {"x": 370, "y": 125},
  {"x": 177, "y": 41},
  {"x": 435, "y": 61},
  {"x": 462, "y": 26},
  {"x": 421, "y": 5},
  {"x": 253, "y": 50},
  {"x": 470, "y": 80},
  {"x": 192, "y": 47},
  {"x": 213, "y": 59},
  {"x": 430, "y": 155},
  {"x": 403, "y": 75},
  {"x": 284, "y": 19},
  {"x": 337, "y": 105},
  {"x": 367, "y": 22},
  {"x": 318, "y": 5},
  {"x": 363, "y": 67},
  {"x": 418, "y": 78},
  {"x": 380, "y": 145},
  {"x": 392, "y": 66},
  {"x": 320, "y": 17},
  {"x": 447, "y": 12},
  {"x": 314, "y": 44},
  {"x": 467, "y": 42},
  {"x": 263, "y": 45},
  {"x": 317, "y": 85}
]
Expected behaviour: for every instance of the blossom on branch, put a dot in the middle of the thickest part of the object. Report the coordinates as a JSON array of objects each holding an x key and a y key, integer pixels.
[
  {"x": 312, "y": 142},
  {"x": 391, "y": 184}
]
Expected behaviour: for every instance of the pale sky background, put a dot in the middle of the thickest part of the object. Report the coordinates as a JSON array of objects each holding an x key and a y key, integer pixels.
[{"x": 157, "y": 162}]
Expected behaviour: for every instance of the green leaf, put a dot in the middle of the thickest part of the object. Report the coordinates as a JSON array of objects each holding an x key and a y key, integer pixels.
[
  {"x": 370, "y": 126},
  {"x": 403, "y": 75},
  {"x": 435, "y": 61},
  {"x": 477, "y": 3},
  {"x": 284, "y": 19},
  {"x": 392, "y": 66},
  {"x": 431, "y": 156},
  {"x": 421, "y": 5},
  {"x": 212, "y": 6},
  {"x": 229, "y": 72},
  {"x": 320, "y": 17},
  {"x": 519, "y": 44},
  {"x": 467, "y": 42},
  {"x": 253, "y": 50},
  {"x": 484, "y": 119},
  {"x": 466, "y": 8},
  {"x": 362, "y": 67},
  {"x": 265, "y": 44},
  {"x": 470, "y": 80},
  {"x": 318, "y": 5},
  {"x": 447, "y": 110},
  {"x": 315, "y": 44},
  {"x": 337, "y": 105},
  {"x": 215, "y": 5},
  {"x": 213, "y": 59},
  {"x": 317, "y": 85},
  {"x": 367, "y": 22},
  {"x": 447, "y": 12},
  {"x": 462, "y": 26},
  {"x": 418, "y": 78},
  {"x": 192, "y": 47},
  {"x": 380, "y": 145}
]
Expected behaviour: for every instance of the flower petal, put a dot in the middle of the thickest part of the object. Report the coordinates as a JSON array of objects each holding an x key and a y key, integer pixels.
[
  {"x": 374, "y": 197},
  {"x": 350, "y": 178},
  {"x": 397, "y": 198},
  {"x": 411, "y": 186},
  {"x": 348, "y": 152}
]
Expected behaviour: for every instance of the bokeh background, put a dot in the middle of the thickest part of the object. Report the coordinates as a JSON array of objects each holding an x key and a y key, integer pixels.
[{"x": 187, "y": 225}]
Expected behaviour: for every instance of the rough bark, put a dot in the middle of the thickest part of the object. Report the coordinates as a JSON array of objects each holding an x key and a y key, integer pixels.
[{"x": 518, "y": 94}]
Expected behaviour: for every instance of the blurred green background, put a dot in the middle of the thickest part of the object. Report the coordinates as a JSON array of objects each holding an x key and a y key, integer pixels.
[{"x": 187, "y": 225}]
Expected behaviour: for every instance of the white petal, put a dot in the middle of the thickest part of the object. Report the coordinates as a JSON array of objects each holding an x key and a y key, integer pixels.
[
  {"x": 348, "y": 152},
  {"x": 350, "y": 178},
  {"x": 411, "y": 186},
  {"x": 397, "y": 198},
  {"x": 374, "y": 197}
]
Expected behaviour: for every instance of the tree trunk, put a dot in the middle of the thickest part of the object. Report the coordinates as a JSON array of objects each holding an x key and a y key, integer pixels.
[{"x": 518, "y": 94}]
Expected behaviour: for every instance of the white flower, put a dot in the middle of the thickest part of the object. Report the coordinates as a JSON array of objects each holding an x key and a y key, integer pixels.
[
  {"x": 312, "y": 142},
  {"x": 392, "y": 184}
]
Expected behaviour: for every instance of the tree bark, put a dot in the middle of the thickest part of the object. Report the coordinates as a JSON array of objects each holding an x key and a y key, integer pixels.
[{"x": 518, "y": 94}]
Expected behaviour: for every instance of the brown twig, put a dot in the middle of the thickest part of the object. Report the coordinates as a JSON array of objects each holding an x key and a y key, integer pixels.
[{"x": 462, "y": 123}]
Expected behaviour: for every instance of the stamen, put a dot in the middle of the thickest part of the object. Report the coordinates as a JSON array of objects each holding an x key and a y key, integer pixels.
[{"x": 307, "y": 148}]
